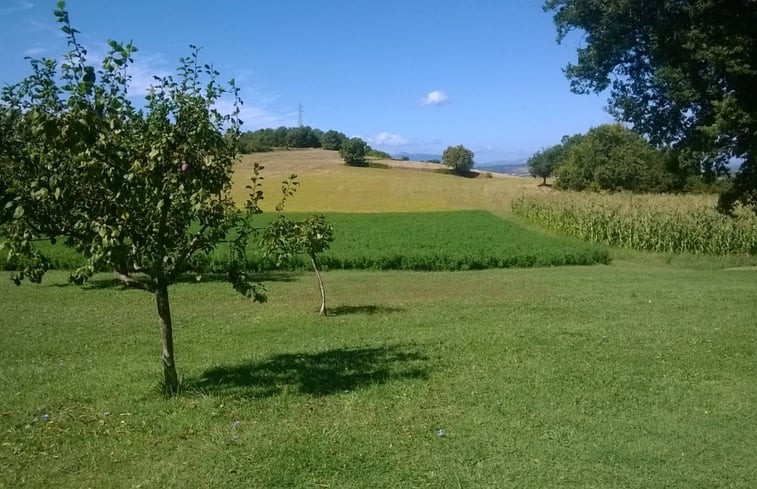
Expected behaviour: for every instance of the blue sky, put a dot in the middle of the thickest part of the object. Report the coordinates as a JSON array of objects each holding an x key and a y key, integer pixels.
[{"x": 408, "y": 76}]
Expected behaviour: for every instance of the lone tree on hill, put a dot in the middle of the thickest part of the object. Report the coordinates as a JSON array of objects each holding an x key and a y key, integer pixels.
[
  {"x": 138, "y": 192},
  {"x": 353, "y": 152},
  {"x": 458, "y": 158},
  {"x": 682, "y": 73}
]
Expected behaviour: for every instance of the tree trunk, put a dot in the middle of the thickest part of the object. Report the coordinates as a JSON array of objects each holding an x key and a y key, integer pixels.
[
  {"x": 170, "y": 379},
  {"x": 320, "y": 284}
]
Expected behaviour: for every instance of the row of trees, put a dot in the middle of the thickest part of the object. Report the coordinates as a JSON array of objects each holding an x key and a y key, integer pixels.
[
  {"x": 290, "y": 137},
  {"x": 612, "y": 157}
]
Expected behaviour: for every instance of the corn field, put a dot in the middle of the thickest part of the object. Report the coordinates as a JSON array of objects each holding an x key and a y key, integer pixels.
[{"x": 658, "y": 223}]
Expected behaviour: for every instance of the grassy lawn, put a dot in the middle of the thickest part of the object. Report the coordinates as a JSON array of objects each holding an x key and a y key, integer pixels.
[{"x": 636, "y": 374}]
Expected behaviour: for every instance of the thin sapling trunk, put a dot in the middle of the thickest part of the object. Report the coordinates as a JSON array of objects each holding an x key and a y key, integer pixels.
[{"x": 320, "y": 284}]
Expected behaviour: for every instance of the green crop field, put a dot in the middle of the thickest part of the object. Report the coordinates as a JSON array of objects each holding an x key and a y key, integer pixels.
[
  {"x": 461, "y": 240},
  {"x": 659, "y": 223}
]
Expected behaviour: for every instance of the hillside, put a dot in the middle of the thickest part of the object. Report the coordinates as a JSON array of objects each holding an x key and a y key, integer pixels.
[{"x": 328, "y": 185}]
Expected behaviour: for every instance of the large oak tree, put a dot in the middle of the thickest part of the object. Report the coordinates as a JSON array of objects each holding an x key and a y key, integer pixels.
[{"x": 682, "y": 72}]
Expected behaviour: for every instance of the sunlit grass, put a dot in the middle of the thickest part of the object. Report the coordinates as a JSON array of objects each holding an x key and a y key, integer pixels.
[
  {"x": 632, "y": 375},
  {"x": 327, "y": 185}
]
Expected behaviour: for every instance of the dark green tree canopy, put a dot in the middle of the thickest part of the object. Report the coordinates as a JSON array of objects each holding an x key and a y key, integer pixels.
[
  {"x": 302, "y": 137},
  {"x": 458, "y": 158},
  {"x": 681, "y": 72},
  {"x": 332, "y": 140},
  {"x": 611, "y": 157},
  {"x": 542, "y": 164},
  {"x": 353, "y": 151}
]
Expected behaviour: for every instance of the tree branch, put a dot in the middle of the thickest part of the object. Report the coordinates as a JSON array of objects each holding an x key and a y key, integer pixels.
[{"x": 132, "y": 283}]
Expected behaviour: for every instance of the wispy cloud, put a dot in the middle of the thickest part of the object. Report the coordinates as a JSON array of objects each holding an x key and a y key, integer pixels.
[
  {"x": 36, "y": 51},
  {"x": 386, "y": 139},
  {"x": 257, "y": 112},
  {"x": 260, "y": 110},
  {"x": 436, "y": 97},
  {"x": 18, "y": 6},
  {"x": 143, "y": 72}
]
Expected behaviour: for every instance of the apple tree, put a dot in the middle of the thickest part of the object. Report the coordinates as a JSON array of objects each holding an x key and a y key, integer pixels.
[{"x": 137, "y": 191}]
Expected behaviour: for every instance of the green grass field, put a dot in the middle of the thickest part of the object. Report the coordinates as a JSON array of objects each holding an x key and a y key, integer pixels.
[
  {"x": 628, "y": 375},
  {"x": 636, "y": 374}
]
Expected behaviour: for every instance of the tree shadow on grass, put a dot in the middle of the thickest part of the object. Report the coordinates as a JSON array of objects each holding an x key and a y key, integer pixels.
[
  {"x": 316, "y": 374},
  {"x": 369, "y": 309}
]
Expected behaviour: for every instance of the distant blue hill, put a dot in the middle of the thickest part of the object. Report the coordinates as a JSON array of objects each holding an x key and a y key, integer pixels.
[
  {"x": 418, "y": 156},
  {"x": 511, "y": 167}
]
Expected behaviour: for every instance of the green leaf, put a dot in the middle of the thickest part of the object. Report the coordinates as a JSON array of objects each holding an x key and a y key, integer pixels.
[{"x": 19, "y": 212}]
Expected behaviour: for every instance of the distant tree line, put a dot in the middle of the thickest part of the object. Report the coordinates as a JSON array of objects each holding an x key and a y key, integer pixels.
[
  {"x": 289, "y": 137},
  {"x": 268, "y": 139},
  {"x": 614, "y": 158}
]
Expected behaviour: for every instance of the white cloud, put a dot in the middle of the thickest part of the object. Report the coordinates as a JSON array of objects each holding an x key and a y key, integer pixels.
[
  {"x": 386, "y": 139},
  {"x": 389, "y": 139},
  {"x": 143, "y": 71},
  {"x": 436, "y": 97},
  {"x": 255, "y": 116},
  {"x": 257, "y": 112},
  {"x": 36, "y": 51}
]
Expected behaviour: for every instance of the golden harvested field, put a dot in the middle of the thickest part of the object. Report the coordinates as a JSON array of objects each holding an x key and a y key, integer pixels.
[{"x": 328, "y": 185}]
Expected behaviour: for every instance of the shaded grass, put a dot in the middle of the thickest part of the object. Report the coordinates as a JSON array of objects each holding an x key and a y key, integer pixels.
[
  {"x": 320, "y": 374},
  {"x": 628, "y": 375}
]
